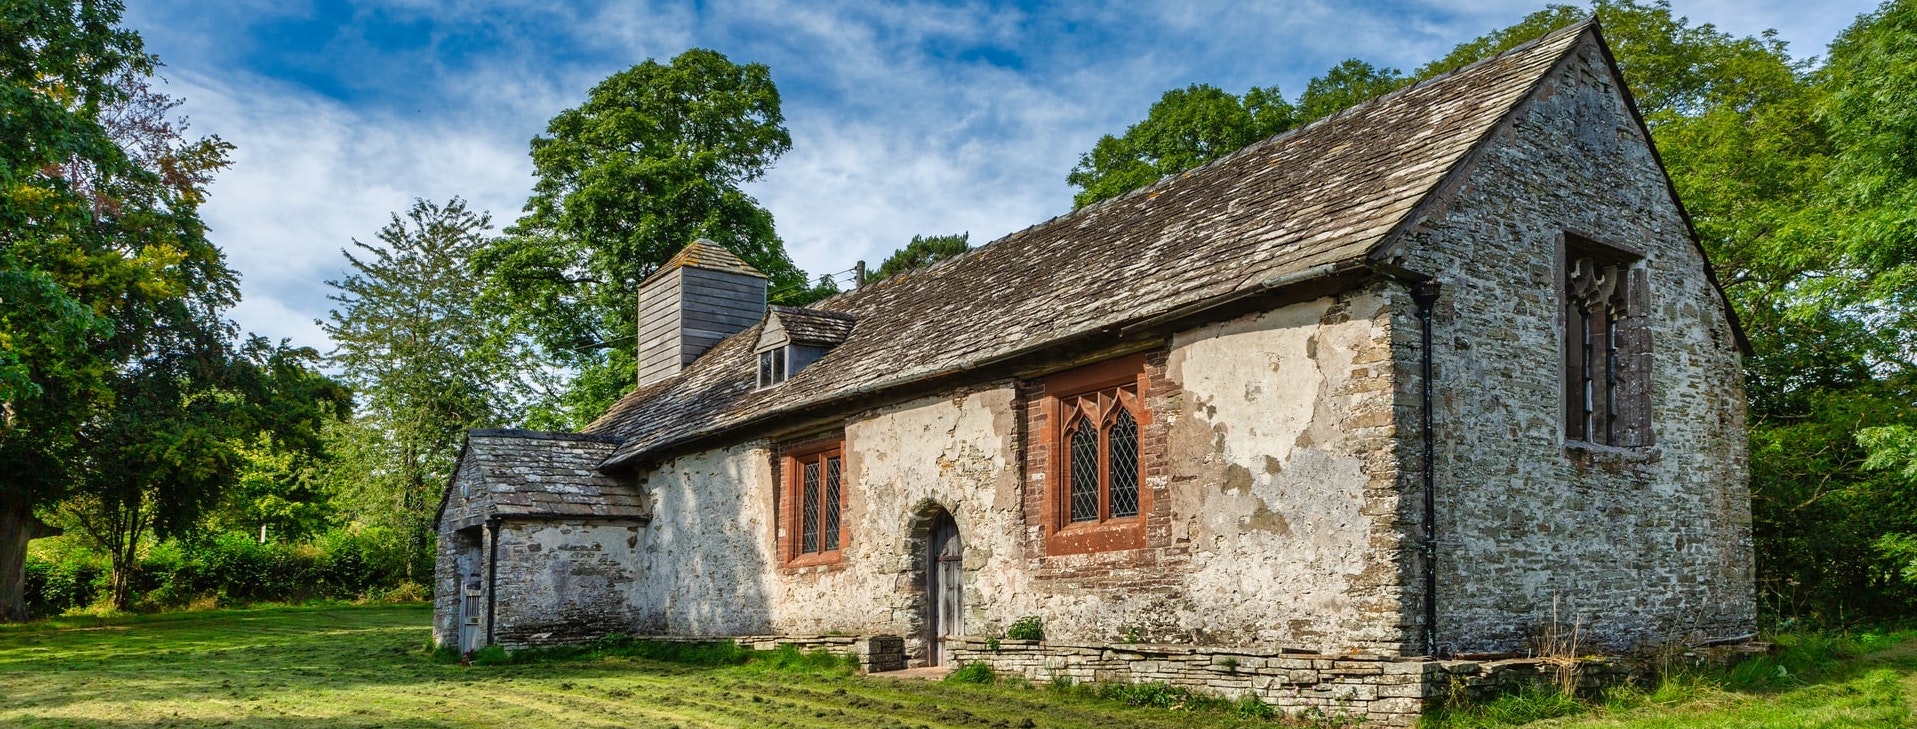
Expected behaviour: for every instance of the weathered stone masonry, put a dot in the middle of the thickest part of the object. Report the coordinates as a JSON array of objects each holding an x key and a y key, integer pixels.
[
  {"x": 1261, "y": 329},
  {"x": 1636, "y": 544}
]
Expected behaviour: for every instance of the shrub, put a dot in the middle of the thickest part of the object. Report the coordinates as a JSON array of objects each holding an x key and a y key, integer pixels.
[
  {"x": 974, "y": 672},
  {"x": 62, "y": 582},
  {"x": 1252, "y": 707},
  {"x": 226, "y": 569},
  {"x": 1026, "y": 628},
  {"x": 1163, "y": 696},
  {"x": 493, "y": 655}
]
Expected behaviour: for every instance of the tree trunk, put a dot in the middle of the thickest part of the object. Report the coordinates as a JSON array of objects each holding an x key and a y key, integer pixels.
[
  {"x": 121, "y": 580},
  {"x": 17, "y": 527}
]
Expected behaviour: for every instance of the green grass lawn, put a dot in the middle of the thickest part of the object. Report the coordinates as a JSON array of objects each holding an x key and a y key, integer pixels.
[
  {"x": 367, "y": 667},
  {"x": 1813, "y": 682}
]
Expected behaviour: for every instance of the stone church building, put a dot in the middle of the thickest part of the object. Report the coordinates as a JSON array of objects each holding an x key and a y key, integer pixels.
[{"x": 1437, "y": 377}]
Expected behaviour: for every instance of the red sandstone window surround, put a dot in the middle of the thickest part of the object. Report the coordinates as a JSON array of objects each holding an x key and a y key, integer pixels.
[
  {"x": 1096, "y": 496},
  {"x": 812, "y": 530}
]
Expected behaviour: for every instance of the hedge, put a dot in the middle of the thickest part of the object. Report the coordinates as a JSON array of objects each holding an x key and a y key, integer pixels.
[{"x": 231, "y": 568}]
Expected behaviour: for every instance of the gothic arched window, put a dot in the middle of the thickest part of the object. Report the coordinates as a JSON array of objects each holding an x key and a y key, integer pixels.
[{"x": 1101, "y": 464}]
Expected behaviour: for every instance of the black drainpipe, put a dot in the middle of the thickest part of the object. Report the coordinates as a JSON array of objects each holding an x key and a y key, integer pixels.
[
  {"x": 1425, "y": 294},
  {"x": 492, "y": 573}
]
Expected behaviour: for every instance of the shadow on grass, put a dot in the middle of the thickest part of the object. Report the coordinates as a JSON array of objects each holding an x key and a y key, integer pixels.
[
  {"x": 1808, "y": 679},
  {"x": 365, "y": 666}
]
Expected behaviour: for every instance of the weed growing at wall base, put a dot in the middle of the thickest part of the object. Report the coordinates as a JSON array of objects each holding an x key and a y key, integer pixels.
[
  {"x": 1808, "y": 680},
  {"x": 708, "y": 654},
  {"x": 973, "y": 673}
]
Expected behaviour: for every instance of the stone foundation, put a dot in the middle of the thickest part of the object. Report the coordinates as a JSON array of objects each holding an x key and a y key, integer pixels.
[{"x": 1380, "y": 690}]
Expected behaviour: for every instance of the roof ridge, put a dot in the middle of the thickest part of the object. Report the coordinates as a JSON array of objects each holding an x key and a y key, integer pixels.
[
  {"x": 1339, "y": 114},
  {"x": 1180, "y": 252},
  {"x": 524, "y": 434},
  {"x": 1294, "y": 131}
]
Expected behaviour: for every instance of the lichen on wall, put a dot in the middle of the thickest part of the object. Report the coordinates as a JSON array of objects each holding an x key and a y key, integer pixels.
[
  {"x": 568, "y": 581},
  {"x": 1629, "y": 544},
  {"x": 1274, "y": 453},
  {"x": 709, "y": 549}
]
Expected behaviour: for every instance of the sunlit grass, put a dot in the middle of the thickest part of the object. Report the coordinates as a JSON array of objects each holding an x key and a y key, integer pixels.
[
  {"x": 350, "y": 666},
  {"x": 1812, "y": 681}
]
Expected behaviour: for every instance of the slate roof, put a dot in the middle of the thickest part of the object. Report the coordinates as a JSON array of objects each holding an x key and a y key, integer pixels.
[
  {"x": 816, "y": 327},
  {"x": 1303, "y": 203},
  {"x": 523, "y": 473}
]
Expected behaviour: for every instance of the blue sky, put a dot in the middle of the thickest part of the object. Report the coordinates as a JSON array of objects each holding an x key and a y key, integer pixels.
[{"x": 907, "y": 117}]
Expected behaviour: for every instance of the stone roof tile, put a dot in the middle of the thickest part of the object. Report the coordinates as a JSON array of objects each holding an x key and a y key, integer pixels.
[
  {"x": 1312, "y": 198},
  {"x": 816, "y": 327},
  {"x": 703, "y": 253},
  {"x": 529, "y": 473}
]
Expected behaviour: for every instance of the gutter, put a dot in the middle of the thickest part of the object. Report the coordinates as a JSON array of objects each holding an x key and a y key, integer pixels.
[
  {"x": 1425, "y": 294},
  {"x": 492, "y": 574},
  {"x": 1267, "y": 286}
]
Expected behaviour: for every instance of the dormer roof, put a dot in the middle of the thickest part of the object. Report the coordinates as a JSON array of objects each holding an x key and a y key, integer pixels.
[{"x": 807, "y": 327}]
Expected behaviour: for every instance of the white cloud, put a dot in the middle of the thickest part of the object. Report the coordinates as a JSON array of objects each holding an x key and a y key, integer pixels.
[{"x": 907, "y": 118}]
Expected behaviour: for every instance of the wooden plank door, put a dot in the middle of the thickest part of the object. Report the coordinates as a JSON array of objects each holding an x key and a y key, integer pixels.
[
  {"x": 945, "y": 587},
  {"x": 472, "y": 601}
]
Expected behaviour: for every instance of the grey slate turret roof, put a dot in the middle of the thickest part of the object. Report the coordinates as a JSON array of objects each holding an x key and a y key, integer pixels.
[
  {"x": 530, "y": 474},
  {"x": 704, "y": 253},
  {"x": 1314, "y": 200}
]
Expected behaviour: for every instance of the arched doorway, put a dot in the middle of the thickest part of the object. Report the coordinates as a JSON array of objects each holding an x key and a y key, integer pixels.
[{"x": 944, "y": 586}]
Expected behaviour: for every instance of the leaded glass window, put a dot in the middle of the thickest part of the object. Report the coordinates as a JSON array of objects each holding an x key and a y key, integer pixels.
[
  {"x": 1122, "y": 444},
  {"x": 831, "y": 503},
  {"x": 814, "y": 500},
  {"x": 1100, "y": 465},
  {"x": 809, "y": 509},
  {"x": 1084, "y": 470}
]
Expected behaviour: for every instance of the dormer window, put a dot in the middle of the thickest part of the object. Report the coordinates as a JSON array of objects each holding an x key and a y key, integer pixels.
[
  {"x": 773, "y": 366},
  {"x": 794, "y": 338}
]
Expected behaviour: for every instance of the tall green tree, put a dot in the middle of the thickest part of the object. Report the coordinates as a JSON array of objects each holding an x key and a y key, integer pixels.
[
  {"x": 1791, "y": 175},
  {"x": 924, "y": 250},
  {"x": 420, "y": 341},
  {"x": 186, "y": 411},
  {"x": 655, "y": 158},
  {"x": 124, "y": 386},
  {"x": 1186, "y": 128},
  {"x": 1871, "y": 85},
  {"x": 92, "y": 222},
  {"x": 1194, "y": 125},
  {"x": 1347, "y": 84}
]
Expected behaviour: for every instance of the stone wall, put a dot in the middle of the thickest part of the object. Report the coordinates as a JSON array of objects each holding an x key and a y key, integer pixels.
[
  {"x": 1630, "y": 544},
  {"x": 1274, "y": 518},
  {"x": 566, "y": 582},
  {"x": 709, "y": 550},
  {"x": 1381, "y": 690}
]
